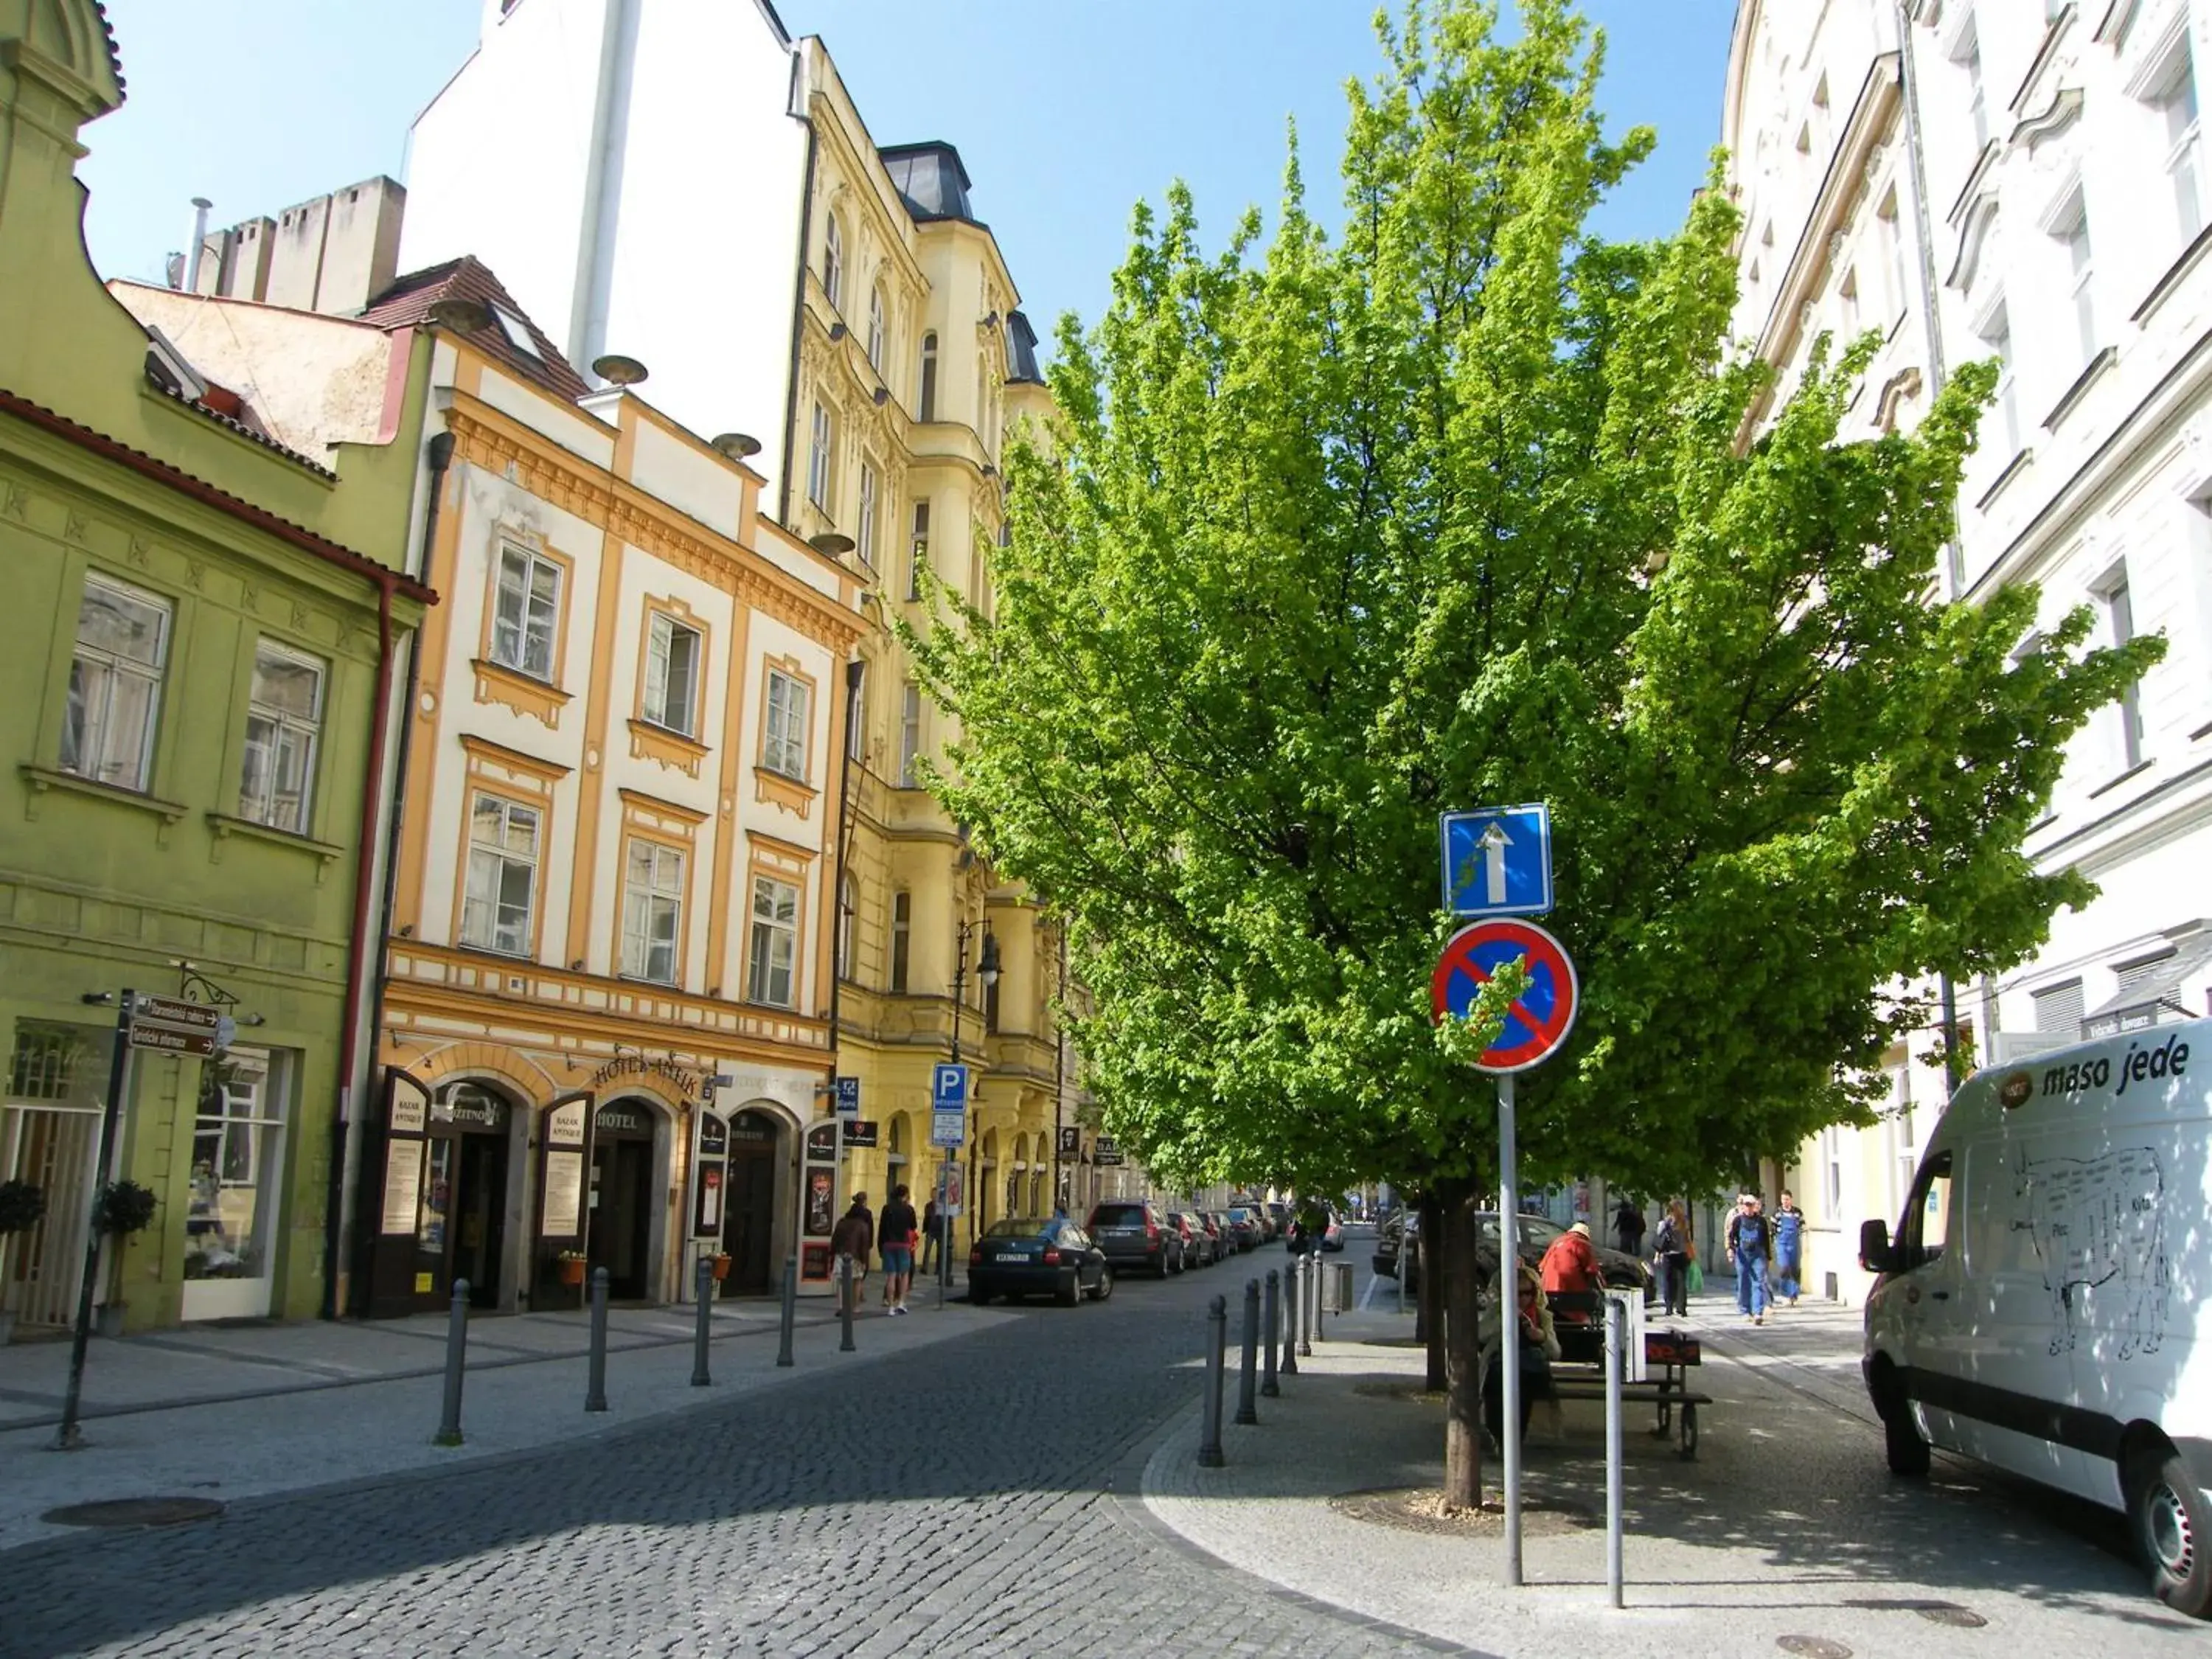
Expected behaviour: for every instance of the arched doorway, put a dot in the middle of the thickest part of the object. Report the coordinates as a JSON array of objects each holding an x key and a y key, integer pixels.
[
  {"x": 1014, "y": 1174},
  {"x": 749, "y": 1205},
  {"x": 619, "y": 1235},
  {"x": 460, "y": 1228},
  {"x": 898, "y": 1171}
]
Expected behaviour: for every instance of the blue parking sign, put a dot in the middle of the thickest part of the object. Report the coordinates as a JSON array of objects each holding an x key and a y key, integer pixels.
[{"x": 948, "y": 1088}]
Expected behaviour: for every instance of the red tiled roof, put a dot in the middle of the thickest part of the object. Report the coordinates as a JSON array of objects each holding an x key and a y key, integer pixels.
[
  {"x": 407, "y": 302},
  {"x": 244, "y": 422}
]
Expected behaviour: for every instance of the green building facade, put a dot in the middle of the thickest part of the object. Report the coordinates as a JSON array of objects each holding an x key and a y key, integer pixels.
[{"x": 199, "y": 646}]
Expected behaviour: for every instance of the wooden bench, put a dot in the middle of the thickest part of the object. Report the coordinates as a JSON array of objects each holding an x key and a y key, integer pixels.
[{"x": 1674, "y": 1406}]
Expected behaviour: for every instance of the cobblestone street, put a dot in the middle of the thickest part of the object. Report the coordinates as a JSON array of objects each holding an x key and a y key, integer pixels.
[{"x": 959, "y": 1497}]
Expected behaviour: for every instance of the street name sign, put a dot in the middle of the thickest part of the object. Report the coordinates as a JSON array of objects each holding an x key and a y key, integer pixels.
[
  {"x": 193, "y": 1016},
  {"x": 848, "y": 1097},
  {"x": 1497, "y": 861},
  {"x": 168, "y": 1040},
  {"x": 1537, "y": 1024}
]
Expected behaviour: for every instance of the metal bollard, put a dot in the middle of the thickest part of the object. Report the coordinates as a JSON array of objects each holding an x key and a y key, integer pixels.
[
  {"x": 1308, "y": 1281},
  {"x": 845, "y": 1302},
  {"x": 1616, "y": 1325},
  {"x": 1269, "y": 1386},
  {"x": 1247, "y": 1410},
  {"x": 595, "y": 1391},
  {"x": 457, "y": 1356},
  {"x": 699, "y": 1379},
  {"x": 1320, "y": 1295},
  {"x": 790, "y": 1308},
  {"x": 1290, "y": 1366},
  {"x": 1216, "y": 1340}
]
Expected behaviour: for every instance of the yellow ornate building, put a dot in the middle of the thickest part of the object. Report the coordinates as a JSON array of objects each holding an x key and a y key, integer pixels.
[{"x": 914, "y": 367}]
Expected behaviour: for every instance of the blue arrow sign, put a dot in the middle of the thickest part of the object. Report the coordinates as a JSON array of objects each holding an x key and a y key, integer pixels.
[{"x": 1497, "y": 861}]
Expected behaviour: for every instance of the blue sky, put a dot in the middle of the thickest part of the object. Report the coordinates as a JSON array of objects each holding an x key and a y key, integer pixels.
[{"x": 1067, "y": 112}]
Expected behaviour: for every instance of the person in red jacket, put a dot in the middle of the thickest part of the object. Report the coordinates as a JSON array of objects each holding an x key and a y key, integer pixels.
[{"x": 1571, "y": 1262}]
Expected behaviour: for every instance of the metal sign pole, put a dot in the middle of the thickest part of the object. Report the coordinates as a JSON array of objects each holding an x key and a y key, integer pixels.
[
  {"x": 119, "y": 1071},
  {"x": 1509, "y": 1348},
  {"x": 1616, "y": 1323}
]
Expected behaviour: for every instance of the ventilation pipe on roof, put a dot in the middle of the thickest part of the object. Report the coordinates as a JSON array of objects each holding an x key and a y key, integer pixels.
[{"x": 200, "y": 206}]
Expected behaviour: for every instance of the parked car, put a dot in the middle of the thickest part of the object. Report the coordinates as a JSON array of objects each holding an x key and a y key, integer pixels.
[
  {"x": 1332, "y": 1237},
  {"x": 1229, "y": 1242},
  {"x": 1135, "y": 1238},
  {"x": 1621, "y": 1271},
  {"x": 1245, "y": 1221},
  {"x": 1279, "y": 1213},
  {"x": 1030, "y": 1255},
  {"x": 1189, "y": 1240},
  {"x": 1211, "y": 1247},
  {"x": 2040, "y": 1306}
]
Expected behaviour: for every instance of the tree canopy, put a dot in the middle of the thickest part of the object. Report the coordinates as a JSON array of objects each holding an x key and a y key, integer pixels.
[{"x": 1454, "y": 509}]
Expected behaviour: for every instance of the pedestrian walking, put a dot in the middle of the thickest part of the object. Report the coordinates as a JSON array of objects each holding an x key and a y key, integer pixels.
[
  {"x": 899, "y": 1231},
  {"x": 933, "y": 1234},
  {"x": 853, "y": 1238},
  {"x": 1628, "y": 1229},
  {"x": 1788, "y": 1248},
  {"x": 1670, "y": 1260},
  {"x": 1750, "y": 1248}
]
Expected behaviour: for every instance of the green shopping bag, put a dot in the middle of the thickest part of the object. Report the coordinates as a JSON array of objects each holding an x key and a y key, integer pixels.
[{"x": 1697, "y": 1277}]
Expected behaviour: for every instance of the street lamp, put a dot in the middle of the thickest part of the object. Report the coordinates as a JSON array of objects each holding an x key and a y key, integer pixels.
[{"x": 986, "y": 974}]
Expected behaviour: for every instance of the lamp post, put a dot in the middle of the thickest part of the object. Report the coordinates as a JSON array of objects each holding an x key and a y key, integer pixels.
[{"x": 986, "y": 974}]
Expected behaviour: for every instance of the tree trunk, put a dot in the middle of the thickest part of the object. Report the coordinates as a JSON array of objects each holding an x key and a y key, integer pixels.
[
  {"x": 1453, "y": 1269},
  {"x": 1431, "y": 1329}
]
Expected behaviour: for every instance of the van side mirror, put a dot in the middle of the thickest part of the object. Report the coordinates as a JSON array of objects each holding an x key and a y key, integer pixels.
[{"x": 1875, "y": 1255}]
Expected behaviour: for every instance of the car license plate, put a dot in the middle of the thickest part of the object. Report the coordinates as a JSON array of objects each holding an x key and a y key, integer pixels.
[{"x": 1013, "y": 1254}]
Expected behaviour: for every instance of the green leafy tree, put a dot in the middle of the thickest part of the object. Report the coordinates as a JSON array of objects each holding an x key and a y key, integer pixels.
[{"x": 1334, "y": 537}]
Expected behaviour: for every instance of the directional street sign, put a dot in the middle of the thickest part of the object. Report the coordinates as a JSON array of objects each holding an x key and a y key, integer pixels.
[
  {"x": 167, "y": 1026},
  {"x": 948, "y": 1104},
  {"x": 196, "y": 1015},
  {"x": 1497, "y": 861},
  {"x": 1539, "y": 1021},
  {"x": 168, "y": 1040}
]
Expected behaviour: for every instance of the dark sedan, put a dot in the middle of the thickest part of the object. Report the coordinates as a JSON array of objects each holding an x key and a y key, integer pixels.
[
  {"x": 1032, "y": 1256},
  {"x": 1133, "y": 1236}
]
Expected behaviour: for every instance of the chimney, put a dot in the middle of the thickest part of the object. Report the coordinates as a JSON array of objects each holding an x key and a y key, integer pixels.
[{"x": 200, "y": 206}]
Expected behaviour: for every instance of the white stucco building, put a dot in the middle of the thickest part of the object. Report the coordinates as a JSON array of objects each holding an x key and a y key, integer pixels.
[{"x": 2022, "y": 180}]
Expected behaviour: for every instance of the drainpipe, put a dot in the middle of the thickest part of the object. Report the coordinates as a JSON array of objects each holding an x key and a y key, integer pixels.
[
  {"x": 440, "y": 454},
  {"x": 797, "y": 293},
  {"x": 853, "y": 671}
]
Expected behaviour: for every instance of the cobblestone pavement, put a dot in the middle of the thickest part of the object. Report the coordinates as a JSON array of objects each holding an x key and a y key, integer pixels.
[{"x": 959, "y": 1498}]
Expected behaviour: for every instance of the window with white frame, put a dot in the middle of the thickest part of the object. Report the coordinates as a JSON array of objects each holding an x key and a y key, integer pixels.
[
  {"x": 917, "y": 558},
  {"x": 2072, "y": 228},
  {"x": 652, "y": 911},
  {"x": 876, "y": 330},
  {"x": 848, "y": 905},
  {"x": 1969, "y": 57},
  {"x": 499, "y": 903},
  {"x": 864, "y": 528},
  {"x": 283, "y": 721},
  {"x": 910, "y": 733},
  {"x": 783, "y": 746},
  {"x": 856, "y": 718},
  {"x": 833, "y": 263},
  {"x": 2176, "y": 103},
  {"x": 1995, "y": 333},
  {"x": 1890, "y": 237},
  {"x": 2126, "y": 716},
  {"x": 775, "y": 953},
  {"x": 926, "y": 402},
  {"x": 901, "y": 940},
  {"x": 115, "y": 684},
  {"x": 671, "y": 673},
  {"x": 817, "y": 460},
  {"x": 525, "y": 611}
]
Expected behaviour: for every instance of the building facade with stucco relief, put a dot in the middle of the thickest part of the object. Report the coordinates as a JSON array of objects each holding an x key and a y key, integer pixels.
[{"x": 2024, "y": 183}]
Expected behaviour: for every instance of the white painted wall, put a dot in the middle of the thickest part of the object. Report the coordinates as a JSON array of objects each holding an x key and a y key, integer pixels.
[{"x": 700, "y": 172}]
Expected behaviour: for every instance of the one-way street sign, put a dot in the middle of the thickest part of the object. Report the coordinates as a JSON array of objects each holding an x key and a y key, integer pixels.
[{"x": 1497, "y": 861}]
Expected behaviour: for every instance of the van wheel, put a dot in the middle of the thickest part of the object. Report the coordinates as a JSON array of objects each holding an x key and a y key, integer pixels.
[
  {"x": 2167, "y": 1515},
  {"x": 1907, "y": 1451}
]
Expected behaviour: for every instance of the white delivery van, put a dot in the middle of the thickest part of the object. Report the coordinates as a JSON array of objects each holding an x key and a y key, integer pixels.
[{"x": 2040, "y": 1306}]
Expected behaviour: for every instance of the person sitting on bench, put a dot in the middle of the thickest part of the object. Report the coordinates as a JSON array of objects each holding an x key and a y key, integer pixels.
[{"x": 1537, "y": 1345}]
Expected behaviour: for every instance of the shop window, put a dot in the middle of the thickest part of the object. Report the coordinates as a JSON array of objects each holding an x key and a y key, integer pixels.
[
  {"x": 783, "y": 746},
  {"x": 901, "y": 939},
  {"x": 671, "y": 673},
  {"x": 652, "y": 911},
  {"x": 498, "y": 910},
  {"x": 115, "y": 684},
  {"x": 284, "y": 722},
  {"x": 237, "y": 1160},
  {"x": 770, "y": 977},
  {"x": 525, "y": 612}
]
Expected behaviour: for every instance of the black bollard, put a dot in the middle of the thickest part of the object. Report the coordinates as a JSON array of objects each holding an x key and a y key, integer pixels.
[
  {"x": 1216, "y": 1340},
  {"x": 1290, "y": 1299},
  {"x": 457, "y": 1359},
  {"x": 790, "y": 1308},
  {"x": 845, "y": 1291},
  {"x": 699, "y": 1379},
  {"x": 595, "y": 1392},
  {"x": 1308, "y": 1280},
  {"x": 1247, "y": 1375},
  {"x": 1269, "y": 1386}
]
